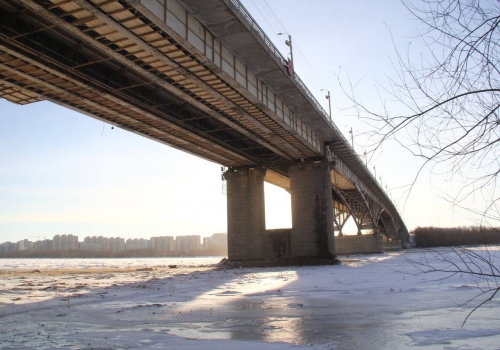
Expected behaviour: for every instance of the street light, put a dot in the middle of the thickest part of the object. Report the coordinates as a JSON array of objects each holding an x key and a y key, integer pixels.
[
  {"x": 329, "y": 102},
  {"x": 352, "y": 138},
  {"x": 289, "y": 44}
]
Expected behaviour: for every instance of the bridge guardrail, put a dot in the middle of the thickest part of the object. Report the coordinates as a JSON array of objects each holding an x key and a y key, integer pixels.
[
  {"x": 282, "y": 59},
  {"x": 284, "y": 62}
]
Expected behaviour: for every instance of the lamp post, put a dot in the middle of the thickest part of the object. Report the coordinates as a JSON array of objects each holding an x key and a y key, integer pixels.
[
  {"x": 329, "y": 102},
  {"x": 352, "y": 138},
  {"x": 289, "y": 44}
]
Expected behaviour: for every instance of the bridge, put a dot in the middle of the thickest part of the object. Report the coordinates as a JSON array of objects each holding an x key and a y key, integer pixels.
[{"x": 202, "y": 77}]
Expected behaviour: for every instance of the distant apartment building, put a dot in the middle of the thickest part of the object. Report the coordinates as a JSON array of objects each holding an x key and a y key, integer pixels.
[
  {"x": 44, "y": 245},
  {"x": 187, "y": 243},
  {"x": 137, "y": 243},
  {"x": 94, "y": 243},
  {"x": 94, "y": 240},
  {"x": 215, "y": 242},
  {"x": 164, "y": 243},
  {"x": 115, "y": 244},
  {"x": 65, "y": 242},
  {"x": 25, "y": 244},
  {"x": 206, "y": 243},
  {"x": 8, "y": 247}
]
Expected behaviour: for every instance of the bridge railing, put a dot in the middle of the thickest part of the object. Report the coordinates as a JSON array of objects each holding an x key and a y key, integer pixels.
[
  {"x": 259, "y": 31},
  {"x": 255, "y": 26}
]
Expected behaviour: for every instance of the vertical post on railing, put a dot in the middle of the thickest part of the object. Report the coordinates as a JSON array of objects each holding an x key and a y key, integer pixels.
[
  {"x": 352, "y": 138},
  {"x": 289, "y": 44},
  {"x": 329, "y": 103}
]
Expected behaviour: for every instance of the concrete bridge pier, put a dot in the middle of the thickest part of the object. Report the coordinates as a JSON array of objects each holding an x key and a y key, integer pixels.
[
  {"x": 311, "y": 235},
  {"x": 246, "y": 219},
  {"x": 312, "y": 211}
]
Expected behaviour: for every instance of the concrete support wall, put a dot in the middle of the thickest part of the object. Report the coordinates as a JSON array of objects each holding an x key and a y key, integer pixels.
[
  {"x": 277, "y": 244},
  {"x": 404, "y": 236},
  {"x": 359, "y": 244},
  {"x": 312, "y": 211},
  {"x": 246, "y": 220},
  {"x": 393, "y": 245}
]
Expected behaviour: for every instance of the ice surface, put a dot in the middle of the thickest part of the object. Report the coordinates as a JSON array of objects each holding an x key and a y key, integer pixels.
[{"x": 370, "y": 302}]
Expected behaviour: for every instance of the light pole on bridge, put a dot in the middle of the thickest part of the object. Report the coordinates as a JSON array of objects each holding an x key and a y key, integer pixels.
[
  {"x": 329, "y": 102},
  {"x": 289, "y": 44}
]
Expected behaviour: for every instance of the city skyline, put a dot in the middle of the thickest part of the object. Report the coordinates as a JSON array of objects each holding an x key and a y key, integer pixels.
[{"x": 69, "y": 242}]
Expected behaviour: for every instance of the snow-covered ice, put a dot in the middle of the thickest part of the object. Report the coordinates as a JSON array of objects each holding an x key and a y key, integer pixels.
[{"x": 369, "y": 302}]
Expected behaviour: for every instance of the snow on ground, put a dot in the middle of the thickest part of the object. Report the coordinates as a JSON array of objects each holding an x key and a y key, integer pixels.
[{"x": 369, "y": 302}]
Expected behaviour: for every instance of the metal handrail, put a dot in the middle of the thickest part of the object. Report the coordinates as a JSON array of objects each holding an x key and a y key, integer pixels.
[
  {"x": 255, "y": 26},
  {"x": 280, "y": 57}
]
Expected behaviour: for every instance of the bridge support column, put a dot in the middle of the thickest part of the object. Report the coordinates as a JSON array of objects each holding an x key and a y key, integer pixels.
[
  {"x": 246, "y": 219},
  {"x": 312, "y": 211}
]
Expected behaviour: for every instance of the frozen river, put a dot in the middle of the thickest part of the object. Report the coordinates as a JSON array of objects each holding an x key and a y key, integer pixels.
[{"x": 370, "y": 302}]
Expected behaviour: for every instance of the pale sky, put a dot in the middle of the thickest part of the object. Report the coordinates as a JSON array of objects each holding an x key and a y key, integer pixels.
[{"x": 65, "y": 173}]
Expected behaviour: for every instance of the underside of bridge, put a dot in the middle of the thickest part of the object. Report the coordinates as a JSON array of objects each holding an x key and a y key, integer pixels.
[
  {"x": 105, "y": 59},
  {"x": 121, "y": 62}
]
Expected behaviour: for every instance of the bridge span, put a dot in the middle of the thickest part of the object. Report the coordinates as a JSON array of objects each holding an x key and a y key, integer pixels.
[{"x": 202, "y": 77}]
